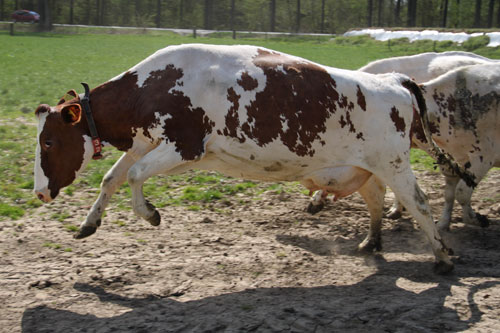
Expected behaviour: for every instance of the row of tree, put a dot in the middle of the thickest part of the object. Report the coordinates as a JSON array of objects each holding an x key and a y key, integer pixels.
[{"x": 323, "y": 16}]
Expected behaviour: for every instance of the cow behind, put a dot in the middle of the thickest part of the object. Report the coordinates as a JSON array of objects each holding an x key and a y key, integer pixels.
[
  {"x": 247, "y": 112},
  {"x": 464, "y": 114},
  {"x": 466, "y": 143}
]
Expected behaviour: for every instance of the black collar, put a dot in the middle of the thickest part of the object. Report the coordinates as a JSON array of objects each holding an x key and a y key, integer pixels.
[{"x": 96, "y": 140}]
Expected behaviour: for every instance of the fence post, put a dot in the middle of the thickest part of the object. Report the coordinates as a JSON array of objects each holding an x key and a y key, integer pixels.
[
  {"x": 12, "y": 29},
  {"x": 194, "y": 33},
  {"x": 234, "y": 34}
]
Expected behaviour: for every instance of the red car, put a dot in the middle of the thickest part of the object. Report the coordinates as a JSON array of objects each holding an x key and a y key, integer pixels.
[{"x": 25, "y": 16}]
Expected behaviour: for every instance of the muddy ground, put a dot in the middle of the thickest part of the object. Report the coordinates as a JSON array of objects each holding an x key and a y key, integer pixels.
[{"x": 248, "y": 266}]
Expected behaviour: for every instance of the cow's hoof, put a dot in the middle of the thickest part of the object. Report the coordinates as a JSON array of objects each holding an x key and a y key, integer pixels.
[
  {"x": 370, "y": 245},
  {"x": 394, "y": 214},
  {"x": 443, "y": 226},
  {"x": 483, "y": 221},
  {"x": 85, "y": 232},
  {"x": 443, "y": 267},
  {"x": 155, "y": 219},
  {"x": 313, "y": 209}
]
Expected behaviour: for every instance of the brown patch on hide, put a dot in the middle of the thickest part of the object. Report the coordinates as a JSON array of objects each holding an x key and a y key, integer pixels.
[
  {"x": 247, "y": 82},
  {"x": 398, "y": 121},
  {"x": 232, "y": 118},
  {"x": 361, "y": 99},
  {"x": 293, "y": 107}
]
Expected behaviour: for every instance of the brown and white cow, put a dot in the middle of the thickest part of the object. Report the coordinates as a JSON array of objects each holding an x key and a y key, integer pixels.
[
  {"x": 245, "y": 111},
  {"x": 464, "y": 114}
]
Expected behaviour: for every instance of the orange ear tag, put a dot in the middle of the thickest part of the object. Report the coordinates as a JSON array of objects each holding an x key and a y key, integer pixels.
[{"x": 72, "y": 114}]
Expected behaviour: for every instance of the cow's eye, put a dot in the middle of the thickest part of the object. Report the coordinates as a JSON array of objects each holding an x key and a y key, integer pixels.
[{"x": 48, "y": 144}]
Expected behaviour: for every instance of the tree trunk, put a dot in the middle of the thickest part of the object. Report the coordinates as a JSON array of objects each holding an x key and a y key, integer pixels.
[
  {"x": 445, "y": 14},
  {"x": 297, "y": 22},
  {"x": 139, "y": 13},
  {"x": 97, "y": 12},
  {"x": 1, "y": 10},
  {"x": 71, "y": 5},
  {"x": 397, "y": 14},
  {"x": 498, "y": 17},
  {"x": 231, "y": 22},
  {"x": 30, "y": 5},
  {"x": 181, "y": 13},
  {"x": 412, "y": 13},
  {"x": 491, "y": 9},
  {"x": 158, "y": 13},
  {"x": 45, "y": 23},
  {"x": 88, "y": 13},
  {"x": 322, "y": 27},
  {"x": 379, "y": 12},
  {"x": 103, "y": 11},
  {"x": 125, "y": 9},
  {"x": 477, "y": 14},
  {"x": 272, "y": 9},
  {"x": 208, "y": 14},
  {"x": 390, "y": 18},
  {"x": 370, "y": 11}
]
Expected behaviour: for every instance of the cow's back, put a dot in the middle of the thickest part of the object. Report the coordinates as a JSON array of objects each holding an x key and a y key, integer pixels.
[{"x": 425, "y": 66}]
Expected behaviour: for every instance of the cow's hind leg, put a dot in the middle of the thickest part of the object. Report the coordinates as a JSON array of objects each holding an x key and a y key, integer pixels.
[
  {"x": 404, "y": 185},
  {"x": 110, "y": 183},
  {"x": 469, "y": 216},
  {"x": 158, "y": 161},
  {"x": 459, "y": 190},
  {"x": 373, "y": 192},
  {"x": 317, "y": 202},
  {"x": 451, "y": 182},
  {"x": 396, "y": 210}
]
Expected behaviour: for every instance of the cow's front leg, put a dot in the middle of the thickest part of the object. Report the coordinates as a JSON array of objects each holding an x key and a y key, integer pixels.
[
  {"x": 373, "y": 192},
  {"x": 158, "y": 161},
  {"x": 113, "y": 179}
]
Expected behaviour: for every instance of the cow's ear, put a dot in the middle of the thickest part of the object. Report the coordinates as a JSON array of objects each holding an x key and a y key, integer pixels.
[
  {"x": 41, "y": 109},
  {"x": 71, "y": 113},
  {"x": 68, "y": 96}
]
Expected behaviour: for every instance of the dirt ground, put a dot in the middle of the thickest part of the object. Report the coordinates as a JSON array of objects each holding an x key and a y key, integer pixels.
[{"x": 261, "y": 266}]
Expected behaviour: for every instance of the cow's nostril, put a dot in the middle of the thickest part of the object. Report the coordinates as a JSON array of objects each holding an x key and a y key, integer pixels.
[{"x": 40, "y": 196}]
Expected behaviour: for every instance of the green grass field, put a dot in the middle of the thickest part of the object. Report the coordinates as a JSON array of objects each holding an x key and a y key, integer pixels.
[{"x": 40, "y": 68}]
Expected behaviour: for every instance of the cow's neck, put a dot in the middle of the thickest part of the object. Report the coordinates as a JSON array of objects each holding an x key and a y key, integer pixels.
[{"x": 113, "y": 110}]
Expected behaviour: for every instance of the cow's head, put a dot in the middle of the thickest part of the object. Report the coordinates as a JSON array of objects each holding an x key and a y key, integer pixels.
[{"x": 63, "y": 149}]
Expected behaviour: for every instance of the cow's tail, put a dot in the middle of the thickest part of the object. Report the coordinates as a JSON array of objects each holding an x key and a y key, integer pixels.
[{"x": 439, "y": 155}]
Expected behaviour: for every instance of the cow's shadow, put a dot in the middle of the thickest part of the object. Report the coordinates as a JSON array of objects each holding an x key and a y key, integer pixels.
[{"x": 377, "y": 302}]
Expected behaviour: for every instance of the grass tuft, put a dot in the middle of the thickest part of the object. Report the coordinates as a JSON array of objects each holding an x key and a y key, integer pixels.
[{"x": 12, "y": 212}]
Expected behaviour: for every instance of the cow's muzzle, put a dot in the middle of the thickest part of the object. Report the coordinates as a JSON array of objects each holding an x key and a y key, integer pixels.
[{"x": 43, "y": 195}]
